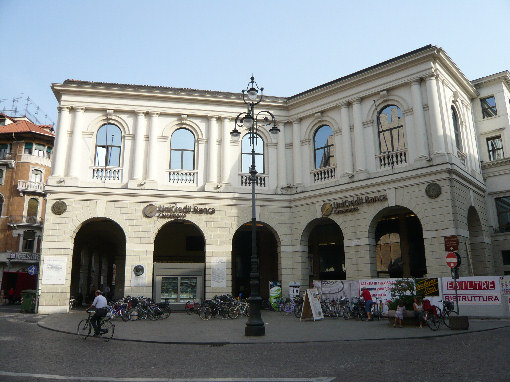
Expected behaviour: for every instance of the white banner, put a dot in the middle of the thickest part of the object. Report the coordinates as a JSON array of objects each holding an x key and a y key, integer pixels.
[
  {"x": 336, "y": 289},
  {"x": 54, "y": 270},
  {"x": 477, "y": 290},
  {"x": 378, "y": 288}
]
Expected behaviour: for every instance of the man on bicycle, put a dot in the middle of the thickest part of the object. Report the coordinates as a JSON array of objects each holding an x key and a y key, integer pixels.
[{"x": 99, "y": 304}]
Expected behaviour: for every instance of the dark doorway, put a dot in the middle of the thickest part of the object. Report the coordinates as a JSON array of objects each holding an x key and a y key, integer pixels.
[
  {"x": 267, "y": 249},
  {"x": 326, "y": 254},
  {"x": 99, "y": 258},
  {"x": 400, "y": 250}
]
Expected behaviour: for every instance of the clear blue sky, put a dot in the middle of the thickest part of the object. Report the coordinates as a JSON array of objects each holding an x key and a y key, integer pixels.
[{"x": 290, "y": 46}]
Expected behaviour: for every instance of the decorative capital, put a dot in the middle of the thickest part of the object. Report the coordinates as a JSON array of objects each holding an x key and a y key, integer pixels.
[
  {"x": 63, "y": 108},
  {"x": 356, "y": 101},
  {"x": 79, "y": 109},
  {"x": 154, "y": 114},
  {"x": 140, "y": 113}
]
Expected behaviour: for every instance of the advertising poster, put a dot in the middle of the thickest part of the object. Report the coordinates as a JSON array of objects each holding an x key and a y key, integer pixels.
[
  {"x": 54, "y": 270},
  {"x": 336, "y": 289},
  {"x": 427, "y": 287},
  {"x": 219, "y": 272},
  {"x": 505, "y": 285},
  {"x": 477, "y": 290},
  {"x": 275, "y": 293}
]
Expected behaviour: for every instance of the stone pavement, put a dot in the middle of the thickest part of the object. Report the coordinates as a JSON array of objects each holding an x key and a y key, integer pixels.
[{"x": 181, "y": 328}]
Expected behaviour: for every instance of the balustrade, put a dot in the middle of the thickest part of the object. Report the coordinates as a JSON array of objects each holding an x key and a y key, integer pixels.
[
  {"x": 182, "y": 177},
  {"x": 392, "y": 159},
  {"x": 29, "y": 186},
  {"x": 324, "y": 174},
  {"x": 107, "y": 174},
  {"x": 260, "y": 180}
]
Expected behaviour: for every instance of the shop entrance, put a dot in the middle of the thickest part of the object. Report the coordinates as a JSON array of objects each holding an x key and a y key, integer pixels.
[
  {"x": 99, "y": 259},
  {"x": 399, "y": 251},
  {"x": 267, "y": 250},
  {"x": 179, "y": 263},
  {"x": 326, "y": 256}
]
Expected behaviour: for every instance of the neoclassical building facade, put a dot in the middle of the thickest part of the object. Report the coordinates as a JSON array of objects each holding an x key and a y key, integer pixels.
[{"x": 150, "y": 193}]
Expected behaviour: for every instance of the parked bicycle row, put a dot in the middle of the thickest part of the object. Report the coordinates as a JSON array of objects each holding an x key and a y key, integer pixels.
[{"x": 138, "y": 308}]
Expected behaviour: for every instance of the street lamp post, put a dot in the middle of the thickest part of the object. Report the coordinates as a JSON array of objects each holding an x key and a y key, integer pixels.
[{"x": 252, "y": 122}]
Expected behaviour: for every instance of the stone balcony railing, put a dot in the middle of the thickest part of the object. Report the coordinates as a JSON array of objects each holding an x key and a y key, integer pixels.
[
  {"x": 28, "y": 186},
  {"x": 261, "y": 180},
  {"x": 184, "y": 177},
  {"x": 325, "y": 174},
  {"x": 107, "y": 174},
  {"x": 23, "y": 220},
  {"x": 392, "y": 159}
]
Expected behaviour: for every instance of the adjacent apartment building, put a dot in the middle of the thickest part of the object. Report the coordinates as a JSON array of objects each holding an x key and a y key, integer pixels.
[
  {"x": 25, "y": 162},
  {"x": 150, "y": 194}
]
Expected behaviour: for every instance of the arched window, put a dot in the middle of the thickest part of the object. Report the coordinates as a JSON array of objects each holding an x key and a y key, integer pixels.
[
  {"x": 182, "y": 150},
  {"x": 392, "y": 146},
  {"x": 324, "y": 147},
  {"x": 32, "y": 209},
  {"x": 456, "y": 130},
  {"x": 391, "y": 130},
  {"x": 108, "y": 146},
  {"x": 246, "y": 153}
]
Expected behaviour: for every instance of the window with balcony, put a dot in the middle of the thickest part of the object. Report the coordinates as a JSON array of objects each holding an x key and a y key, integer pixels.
[
  {"x": 503, "y": 212},
  {"x": 246, "y": 147},
  {"x": 392, "y": 144},
  {"x": 456, "y": 130},
  {"x": 32, "y": 210},
  {"x": 39, "y": 150},
  {"x": 29, "y": 148},
  {"x": 324, "y": 154},
  {"x": 36, "y": 176},
  {"x": 5, "y": 150},
  {"x": 182, "y": 150},
  {"x": 108, "y": 146},
  {"x": 324, "y": 147},
  {"x": 495, "y": 148},
  {"x": 488, "y": 107}
]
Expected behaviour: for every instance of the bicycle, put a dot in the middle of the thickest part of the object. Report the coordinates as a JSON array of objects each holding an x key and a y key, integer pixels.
[
  {"x": 106, "y": 328},
  {"x": 435, "y": 317}
]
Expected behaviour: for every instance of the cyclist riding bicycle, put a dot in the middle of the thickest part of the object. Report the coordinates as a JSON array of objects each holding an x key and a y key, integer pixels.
[{"x": 99, "y": 304}]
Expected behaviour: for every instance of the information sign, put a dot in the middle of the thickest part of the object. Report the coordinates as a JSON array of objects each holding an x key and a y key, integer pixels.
[
  {"x": 451, "y": 243},
  {"x": 32, "y": 270}
]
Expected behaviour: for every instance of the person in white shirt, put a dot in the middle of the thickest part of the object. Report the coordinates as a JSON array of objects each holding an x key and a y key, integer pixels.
[{"x": 99, "y": 305}]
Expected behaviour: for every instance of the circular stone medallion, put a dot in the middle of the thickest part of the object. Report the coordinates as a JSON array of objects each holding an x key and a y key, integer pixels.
[
  {"x": 433, "y": 190},
  {"x": 149, "y": 211},
  {"x": 138, "y": 270},
  {"x": 59, "y": 207}
]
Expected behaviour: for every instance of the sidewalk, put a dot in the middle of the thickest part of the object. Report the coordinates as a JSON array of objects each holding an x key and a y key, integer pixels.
[{"x": 181, "y": 328}]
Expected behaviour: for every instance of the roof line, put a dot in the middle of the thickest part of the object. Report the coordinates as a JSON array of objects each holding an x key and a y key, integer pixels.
[{"x": 405, "y": 55}]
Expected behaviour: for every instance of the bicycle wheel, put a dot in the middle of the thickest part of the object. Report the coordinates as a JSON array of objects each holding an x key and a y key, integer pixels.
[
  {"x": 433, "y": 321},
  {"x": 297, "y": 310},
  {"x": 84, "y": 329},
  {"x": 205, "y": 313},
  {"x": 233, "y": 312},
  {"x": 107, "y": 330},
  {"x": 446, "y": 318},
  {"x": 346, "y": 312}
]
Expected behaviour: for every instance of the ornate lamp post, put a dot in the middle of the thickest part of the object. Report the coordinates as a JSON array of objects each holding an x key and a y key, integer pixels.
[{"x": 252, "y": 122}]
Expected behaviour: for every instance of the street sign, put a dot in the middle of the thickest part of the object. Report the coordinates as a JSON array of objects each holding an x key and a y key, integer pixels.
[
  {"x": 451, "y": 243},
  {"x": 32, "y": 270},
  {"x": 453, "y": 259}
]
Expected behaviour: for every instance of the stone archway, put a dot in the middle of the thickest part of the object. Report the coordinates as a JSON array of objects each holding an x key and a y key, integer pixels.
[
  {"x": 179, "y": 263},
  {"x": 99, "y": 259},
  {"x": 267, "y": 250},
  {"x": 476, "y": 255},
  {"x": 399, "y": 247},
  {"x": 326, "y": 255}
]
